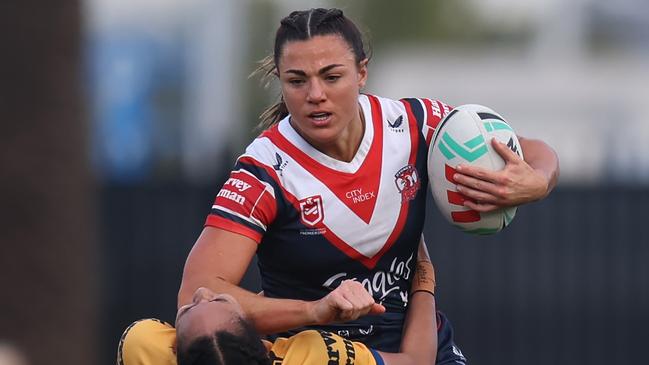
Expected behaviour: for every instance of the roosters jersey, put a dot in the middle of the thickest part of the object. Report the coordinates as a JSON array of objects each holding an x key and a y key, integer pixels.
[{"x": 319, "y": 221}]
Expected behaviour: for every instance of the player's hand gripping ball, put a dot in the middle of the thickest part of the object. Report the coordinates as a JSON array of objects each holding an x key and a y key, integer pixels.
[{"x": 464, "y": 137}]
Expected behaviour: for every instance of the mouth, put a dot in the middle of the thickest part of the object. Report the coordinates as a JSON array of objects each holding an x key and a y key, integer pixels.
[{"x": 320, "y": 118}]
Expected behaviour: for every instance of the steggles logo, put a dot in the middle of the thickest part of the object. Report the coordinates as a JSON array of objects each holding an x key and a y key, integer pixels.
[{"x": 382, "y": 283}]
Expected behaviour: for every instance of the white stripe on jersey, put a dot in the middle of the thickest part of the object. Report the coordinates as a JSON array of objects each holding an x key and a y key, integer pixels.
[{"x": 250, "y": 219}]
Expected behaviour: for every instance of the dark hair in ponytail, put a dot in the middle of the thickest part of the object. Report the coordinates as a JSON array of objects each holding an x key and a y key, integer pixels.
[{"x": 300, "y": 26}]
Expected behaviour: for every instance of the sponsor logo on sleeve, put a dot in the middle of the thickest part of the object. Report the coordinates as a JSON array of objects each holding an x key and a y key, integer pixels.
[
  {"x": 239, "y": 193},
  {"x": 435, "y": 109},
  {"x": 446, "y": 108}
]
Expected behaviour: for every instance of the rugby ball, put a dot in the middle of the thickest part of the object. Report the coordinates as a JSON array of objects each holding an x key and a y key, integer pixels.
[{"x": 464, "y": 137}]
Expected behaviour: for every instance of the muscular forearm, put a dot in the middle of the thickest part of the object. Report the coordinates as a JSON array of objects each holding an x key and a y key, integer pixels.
[
  {"x": 543, "y": 159},
  {"x": 420, "y": 330},
  {"x": 269, "y": 315},
  {"x": 419, "y": 341},
  {"x": 349, "y": 301}
]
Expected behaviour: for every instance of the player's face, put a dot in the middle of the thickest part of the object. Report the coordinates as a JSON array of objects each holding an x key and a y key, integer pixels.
[
  {"x": 320, "y": 82},
  {"x": 209, "y": 312}
]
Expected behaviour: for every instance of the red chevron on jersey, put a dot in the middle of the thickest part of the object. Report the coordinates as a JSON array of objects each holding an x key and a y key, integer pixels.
[
  {"x": 358, "y": 195},
  {"x": 319, "y": 225},
  {"x": 363, "y": 191}
]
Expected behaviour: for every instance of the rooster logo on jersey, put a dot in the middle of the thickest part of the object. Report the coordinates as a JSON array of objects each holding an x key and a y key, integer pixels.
[
  {"x": 311, "y": 212},
  {"x": 407, "y": 182}
]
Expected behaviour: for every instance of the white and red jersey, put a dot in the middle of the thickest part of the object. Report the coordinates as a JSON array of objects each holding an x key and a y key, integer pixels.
[{"x": 319, "y": 221}]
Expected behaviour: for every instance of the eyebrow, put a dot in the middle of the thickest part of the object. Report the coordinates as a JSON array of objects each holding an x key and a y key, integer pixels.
[{"x": 320, "y": 72}]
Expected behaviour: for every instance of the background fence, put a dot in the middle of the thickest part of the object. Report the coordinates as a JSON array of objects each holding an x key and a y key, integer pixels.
[{"x": 565, "y": 284}]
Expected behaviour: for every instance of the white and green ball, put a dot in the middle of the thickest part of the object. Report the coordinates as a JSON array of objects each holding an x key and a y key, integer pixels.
[{"x": 464, "y": 137}]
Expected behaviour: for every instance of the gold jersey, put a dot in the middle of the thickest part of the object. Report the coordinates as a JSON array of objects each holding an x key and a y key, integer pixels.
[{"x": 152, "y": 342}]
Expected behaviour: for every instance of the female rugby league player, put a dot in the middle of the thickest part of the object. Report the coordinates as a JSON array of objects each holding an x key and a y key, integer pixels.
[{"x": 330, "y": 194}]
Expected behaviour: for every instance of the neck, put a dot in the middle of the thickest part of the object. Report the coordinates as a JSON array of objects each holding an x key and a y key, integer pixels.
[{"x": 345, "y": 146}]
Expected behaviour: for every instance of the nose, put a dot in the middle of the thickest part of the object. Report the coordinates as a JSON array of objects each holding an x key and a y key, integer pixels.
[
  {"x": 202, "y": 294},
  {"x": 316, "y": 93}
]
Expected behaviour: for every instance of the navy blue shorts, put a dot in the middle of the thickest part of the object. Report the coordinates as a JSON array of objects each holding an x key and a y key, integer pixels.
[{"x": 447, "y": 351}]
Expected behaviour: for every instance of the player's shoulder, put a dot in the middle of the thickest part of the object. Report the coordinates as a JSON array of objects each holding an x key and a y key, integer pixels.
[
  {"x": 308, "y": 337},
  {"x": 418, "y": 108},
  {"x": 389, "y": 111},
  {"x": 410, "y": 99},
  {"x": 322, "y": 347},
  {"x": 263, "y": 148},
  {"x": 153, "y": 334},
  {"x": 427, "y": 107},
  {"x": 146, "y": 326},
  {"x": 306, "y": 342},
  {"x": 386, "y": 104},
  {"x": 262, "y": 157}
]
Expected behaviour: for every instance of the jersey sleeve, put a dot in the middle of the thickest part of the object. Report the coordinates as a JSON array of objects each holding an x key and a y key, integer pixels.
[
  {"x": 245, "y": 204},
  {"x": 147, "y": 342},
  {"x": 428, "y": 113}
]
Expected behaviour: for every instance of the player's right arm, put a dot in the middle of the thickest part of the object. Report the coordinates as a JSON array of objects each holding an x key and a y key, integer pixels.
[
  {"x": 219, "y": 260},
  {"x": 242, "y": 211}
]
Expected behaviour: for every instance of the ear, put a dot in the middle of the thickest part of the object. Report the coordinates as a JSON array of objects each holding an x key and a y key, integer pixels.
[{"x": 362, "y": 73}]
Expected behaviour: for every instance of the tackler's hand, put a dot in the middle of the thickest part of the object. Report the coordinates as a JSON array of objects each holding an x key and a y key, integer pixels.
[
  {"x": 347, "y": 302},
  {"x": 517, "y": 183}
]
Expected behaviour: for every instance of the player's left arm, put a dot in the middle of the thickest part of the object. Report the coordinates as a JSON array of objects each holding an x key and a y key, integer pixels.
[
  {"x": 520, "y": 182},
  {"x": 419, "y": 341}
]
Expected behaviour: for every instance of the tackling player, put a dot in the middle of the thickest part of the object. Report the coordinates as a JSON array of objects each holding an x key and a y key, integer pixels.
[{"x": 214, "y": 330}]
